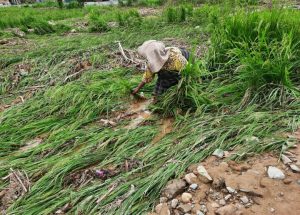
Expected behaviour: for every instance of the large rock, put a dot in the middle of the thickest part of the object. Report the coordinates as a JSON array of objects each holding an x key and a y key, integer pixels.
[
  {"x": 203, "y": 175},
  {"x": 275, "y": 173},
  {"x": 190, "y": 178},
  {"x": 174, "y": 188}
]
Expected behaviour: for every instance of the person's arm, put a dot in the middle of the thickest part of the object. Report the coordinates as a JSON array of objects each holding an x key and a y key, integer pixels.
[
  {"x": 138, "y": 88},
  {"x": 147, "y": 77}
]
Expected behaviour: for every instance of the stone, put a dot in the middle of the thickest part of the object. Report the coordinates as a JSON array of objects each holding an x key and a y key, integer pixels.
[
  {"x": 174, "y": 188},
  {"x": 295, "y": 168},
  {"x": 230, "y": 190},
  {"x": 203, "y": 175},
  {"x": 162, "y": 209},
  {"x": 73, "y": 30},
  {"x": 222, "y": 202},
  {"x": 226, "y": 210},
  {"x": 174, "y": 203},
  {"x": 218, "y": 153},
  {"x": 244, "y": 199},
  {"x": 298, "y": 181},
  {"x": 285, "y": 159},
  {"x": 275, "y": 173},
  {"x": 18, "y": 32},
  {"x": 190, "y": 178},
  {"x": 194, "y": 186},
  {"x": 186, "y": 197},
  {"x": 203, "y": 209},
  {"x": 227, "y": 197},
  {"x": 287, "y": 181},
  {"x": 272, "y": 210},
  {"x": 199, "y": 213},
  {"x": 185, "y": 208}
]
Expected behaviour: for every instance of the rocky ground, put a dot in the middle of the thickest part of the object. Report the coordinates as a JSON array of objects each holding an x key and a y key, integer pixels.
[{"x": 263, "y": 184}]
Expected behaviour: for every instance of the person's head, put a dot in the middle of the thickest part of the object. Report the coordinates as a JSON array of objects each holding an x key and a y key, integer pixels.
[{"x": 156, "y": 54}]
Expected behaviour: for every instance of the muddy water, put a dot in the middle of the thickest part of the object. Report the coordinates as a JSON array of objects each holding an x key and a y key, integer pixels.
[{"x": 139, "y": 108}]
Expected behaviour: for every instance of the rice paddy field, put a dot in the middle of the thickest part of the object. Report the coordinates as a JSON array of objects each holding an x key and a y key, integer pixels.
[{"x": 66, "y": 113}]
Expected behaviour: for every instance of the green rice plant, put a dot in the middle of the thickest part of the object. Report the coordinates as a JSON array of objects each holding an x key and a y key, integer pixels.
[
  {"x": 178, "y": 14},
  {"x": 97, "y": 23},
  {"x": 188, "y": 94},
  {"x": 129, "y": 18},
  {"x": 259, "y": 53}
]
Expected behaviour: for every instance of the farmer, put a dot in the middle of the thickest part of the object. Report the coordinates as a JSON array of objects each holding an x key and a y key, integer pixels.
[{"x": 166, "y": 62}]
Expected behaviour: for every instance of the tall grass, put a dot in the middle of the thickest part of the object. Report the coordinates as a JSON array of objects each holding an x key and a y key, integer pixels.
[{"x": 259, "y": 54}]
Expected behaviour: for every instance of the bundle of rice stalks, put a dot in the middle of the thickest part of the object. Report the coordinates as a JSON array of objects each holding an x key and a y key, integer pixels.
[{"x": 188, "y": 94}]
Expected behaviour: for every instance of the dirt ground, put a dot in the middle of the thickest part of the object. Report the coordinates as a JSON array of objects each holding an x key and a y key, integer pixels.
[{"x": 239, "y": 188}]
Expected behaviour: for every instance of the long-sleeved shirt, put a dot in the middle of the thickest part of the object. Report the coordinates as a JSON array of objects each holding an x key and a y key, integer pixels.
[{"x": 175, "y": 63}]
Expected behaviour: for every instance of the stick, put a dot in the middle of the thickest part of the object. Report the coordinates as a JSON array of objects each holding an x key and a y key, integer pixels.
[
  {"x": 20, "y": 181},
  {"x": 124, "y": 55}
]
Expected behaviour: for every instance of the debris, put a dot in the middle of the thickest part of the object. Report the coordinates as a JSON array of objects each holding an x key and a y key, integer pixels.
[
  {"x": 173, "y": 188},
  {"x": 185, "y": 208},
  {"x": 219, "y": 153},
  {"x": 203, "y": 175},
  {"x": 64, "y": 209},
  {"x": 174, "y": 203},
  {"x": 275, "y": 173},
  {"x": 17, "y": 32},
  {"x": 295, "y": 168},
  {"x": 285, "y": 159},
  {"x": 102, "y": 174},
  {"x": 227, "y": 197},
  {"x": 230, "y": 190},
  {"x": 190, "y": 178},
  {"x": 186, "y": 197},
  {"x": 244, "y": 199},
  {"x": 194, "y": 186},
  {"x": 107, "y": 122},
  {"x": 19, "y": 185}
]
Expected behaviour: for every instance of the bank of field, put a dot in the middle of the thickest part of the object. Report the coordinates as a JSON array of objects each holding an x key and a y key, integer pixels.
[{"x": 239, "y": 92}]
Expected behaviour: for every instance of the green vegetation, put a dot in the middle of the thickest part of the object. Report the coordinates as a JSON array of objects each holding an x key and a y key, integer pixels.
[{"x": 245, "y": 85}]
